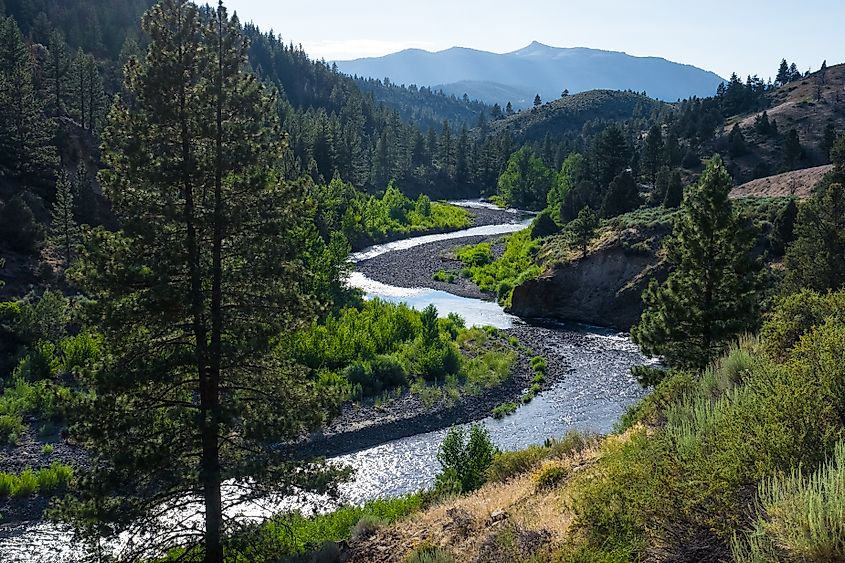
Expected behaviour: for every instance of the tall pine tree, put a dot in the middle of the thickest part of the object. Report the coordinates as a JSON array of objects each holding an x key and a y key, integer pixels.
[
  {"x": 64, "y": 229},
  {"x": 711, "y": 296},
  {"x": 194, "y": 295}
]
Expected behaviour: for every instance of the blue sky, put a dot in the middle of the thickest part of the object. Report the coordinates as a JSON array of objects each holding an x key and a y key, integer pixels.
[{"x": 746, "y": 36}]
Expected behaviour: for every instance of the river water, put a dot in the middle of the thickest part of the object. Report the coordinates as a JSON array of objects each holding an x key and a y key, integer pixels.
[{"x": 595, "y": 392}]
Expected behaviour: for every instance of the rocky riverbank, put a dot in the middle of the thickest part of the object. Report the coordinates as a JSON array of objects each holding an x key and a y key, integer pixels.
[
  {"x": 366, "y": 425},
  {"x": 415, "y": 267}
]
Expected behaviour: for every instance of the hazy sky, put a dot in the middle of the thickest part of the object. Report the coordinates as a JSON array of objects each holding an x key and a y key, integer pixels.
[{"x": 746, "y": 36}]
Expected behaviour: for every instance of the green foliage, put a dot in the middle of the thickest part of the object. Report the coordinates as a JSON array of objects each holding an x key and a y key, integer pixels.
[
  {"x": 712, "y": 295},
  {"x": 427, "y": 553},
  {"x": 623, "y": 195},
  {"x": 18, "y": 228},
  {"x": 465, "y": 457},
  {"x": 45, "y": 318},
  {"x": 364, "y": 219},
  {"x": 506, "y": 272},
  {"x": 801, "y": 516},
  {"x": 543, "y": 226},
  {"x": 795, "y": 315},
  {"x": 291, "y": 534},
  {"x": 683, "y": 485},
  {"x": 504, "y": 409},
  {"x": 582, "y": 230},
  {"x": 46, "y": 481},
  {"x": 526, "y": 181},
  {"x": 648, "y": 376},
  {"x": 507, "y": 465},
  {"x": 445, "y": 277},
  {"x": 478, "y": 255},
  {"x": 550, "y": 477},
  {"x": 64, "y": 230},
  {"x": 816, "y": 260}
]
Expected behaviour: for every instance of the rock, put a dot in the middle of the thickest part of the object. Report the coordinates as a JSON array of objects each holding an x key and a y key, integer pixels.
[
  {"x": 603, "y": 289},
  {"x": 496, "y": 517}
]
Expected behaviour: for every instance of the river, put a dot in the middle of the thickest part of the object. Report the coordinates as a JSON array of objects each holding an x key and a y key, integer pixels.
[{"x": 597, "y": 389}]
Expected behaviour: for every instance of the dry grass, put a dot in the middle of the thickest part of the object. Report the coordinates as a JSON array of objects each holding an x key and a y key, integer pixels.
[
  {"x": 799, "y": 183},
  {"x": 462, "y": 526}
]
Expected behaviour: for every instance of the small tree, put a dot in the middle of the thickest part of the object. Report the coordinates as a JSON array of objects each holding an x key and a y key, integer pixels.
[
  {"x": 537, "y": 101},
  {"x": 712, "y": 294},
  {"x": 792, "y": 150},
  {"x": 582, "y": 229},
  {"x": 675, "y": 191},
  {"x": 64, "y": 231},
  {"x": 465, "y": 458},
  {"x": 736, "y": 142},
  {"x": 623, "y": 195},
  {"x": 816, "y": 260}
]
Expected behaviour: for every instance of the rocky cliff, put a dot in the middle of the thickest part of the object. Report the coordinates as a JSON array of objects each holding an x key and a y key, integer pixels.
[{"x": 603, "y": 288}]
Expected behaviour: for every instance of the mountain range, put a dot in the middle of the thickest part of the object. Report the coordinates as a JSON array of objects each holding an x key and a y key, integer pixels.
[{"x": 518, "y": 76}]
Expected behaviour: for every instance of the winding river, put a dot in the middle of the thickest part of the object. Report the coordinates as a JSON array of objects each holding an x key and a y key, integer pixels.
[{"x": 595, "y": 392}]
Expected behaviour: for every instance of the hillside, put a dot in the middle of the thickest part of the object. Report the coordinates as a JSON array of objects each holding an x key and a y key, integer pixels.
[
  {"x": 798, "y": 183},
  {"x": 425, "y": 107},
  {"x": 543, "y": 69},
  {"x": 571, "y": 113},
  {"x": 809, "y": 105}
]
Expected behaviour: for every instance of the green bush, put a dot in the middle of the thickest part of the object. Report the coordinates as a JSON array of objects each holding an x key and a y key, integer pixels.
[
  {"x": 55, "y": 478},
  {"x": 25, "y": 484},
  {"x": 516, "y": 265},
  {"x": 427, "y": 553},
  {"x": 389, "y": 371},
  {"x": 550, "y": 477},
  {"x": 11, "y": 426},
  {"x": 80, "y": 351},
  {"x": 445, "y": 277},
  {"x": 465, "y": 457},
  {"x": 544, "y": 226},
  {"x": 795, "y": 315},
  {"x": 478, "y": 255},
  {"x": 366, "y": 526},
  {"x": 503, "y": 410},
  {"x": 802, "y": 516},
  {"x": 291, "y": 534},
  {"x": 509, "y": 464},
  {"x": 539, "y": 364}
]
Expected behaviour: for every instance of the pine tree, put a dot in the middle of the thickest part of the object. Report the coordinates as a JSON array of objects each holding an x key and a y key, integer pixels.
[
  {"x": 674, "y": 191},
  {"x": 816, "y": 260},
  {"x": 537, "y": 101},
  {"x": 610, "y": 155},
  {"x": 792, "y": 150},
  {"x": 64, "y": 229},
  {"x": 783, "y": 73},
  {"x": 57, "y": 70},
  {"x": 736, "y": 142},
  {"x": 509, "y": 109},
  {"x": 194, "y": 295},
  {"x": 783, "y": 229},
  {"x": 653, "y": 153},
  {"x": 623, "y": 195},
  {"x": 711, "y": 296},
  {"x": 582, "y": 229},
  {"x": 661, "y": 186},
  {"x": 26, "y": 153},
  {"x": 828, "y": 139}
]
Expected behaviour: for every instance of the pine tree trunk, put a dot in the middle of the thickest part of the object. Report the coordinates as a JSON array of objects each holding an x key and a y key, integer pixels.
[
  {"x": 210, "y": 480},
  {"x": 214, "y": 516}
]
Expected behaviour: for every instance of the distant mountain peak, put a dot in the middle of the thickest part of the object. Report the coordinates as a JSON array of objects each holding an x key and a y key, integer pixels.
[{"x": 537, "y": 68}]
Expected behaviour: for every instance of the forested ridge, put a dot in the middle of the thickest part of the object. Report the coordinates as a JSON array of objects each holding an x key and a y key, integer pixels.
[{"x": 179, "y": 196}]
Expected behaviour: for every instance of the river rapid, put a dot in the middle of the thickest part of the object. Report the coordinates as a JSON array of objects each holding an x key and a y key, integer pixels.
[{"x": 591, "y": 397}]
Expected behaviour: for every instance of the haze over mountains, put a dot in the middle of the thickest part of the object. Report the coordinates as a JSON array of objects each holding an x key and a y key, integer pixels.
[{"x": 536, "y": 69}]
